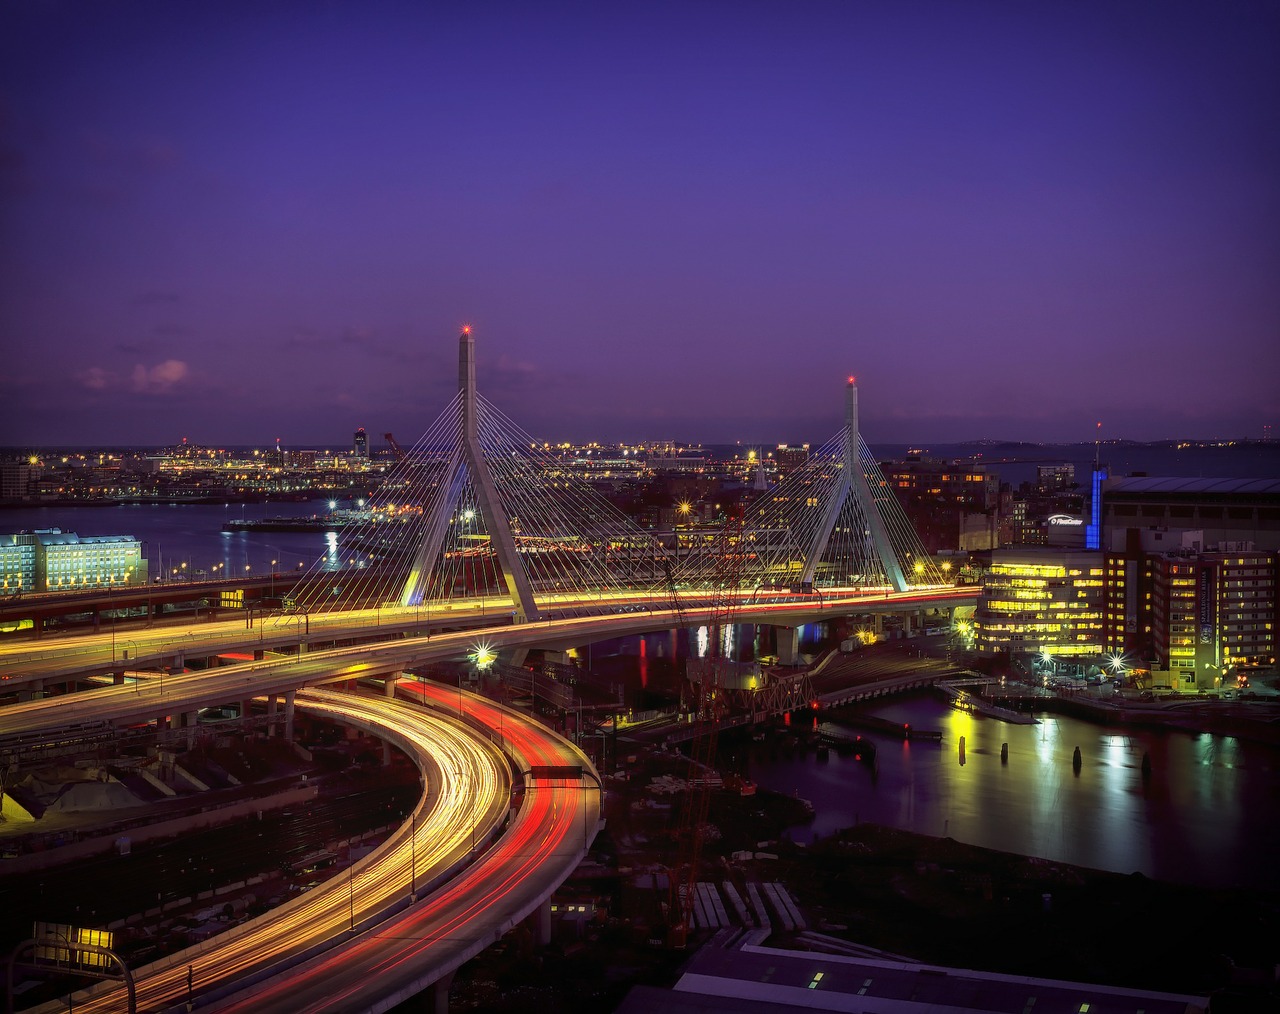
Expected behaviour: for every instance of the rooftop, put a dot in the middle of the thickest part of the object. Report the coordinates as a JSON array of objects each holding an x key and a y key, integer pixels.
[{"x": 1148, "y": 484}]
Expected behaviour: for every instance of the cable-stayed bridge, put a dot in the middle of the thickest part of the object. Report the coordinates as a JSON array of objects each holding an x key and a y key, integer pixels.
[{"x": 475, "y": 509}]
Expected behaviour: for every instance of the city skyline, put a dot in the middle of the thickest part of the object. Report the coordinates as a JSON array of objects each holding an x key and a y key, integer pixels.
[{"x": 686, "y": 222}]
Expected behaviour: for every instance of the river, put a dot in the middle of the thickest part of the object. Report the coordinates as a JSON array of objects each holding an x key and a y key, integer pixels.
[
  {"x": 1205, "y": 816},
  {"x": 189, "y": 537}
]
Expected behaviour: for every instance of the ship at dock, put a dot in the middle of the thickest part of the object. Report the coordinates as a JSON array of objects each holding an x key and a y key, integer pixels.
[{"x": 334, "y": 521}]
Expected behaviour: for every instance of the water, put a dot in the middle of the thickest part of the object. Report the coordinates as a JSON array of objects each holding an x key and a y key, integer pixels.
[
  {"x": 189, "y": 537},
  {"x": 1206, "y": 815}
]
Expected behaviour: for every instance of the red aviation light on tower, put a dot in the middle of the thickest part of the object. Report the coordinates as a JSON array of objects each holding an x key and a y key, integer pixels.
[
  {"x": 466, "y": 328},
  {"x": 852, "y": 379}
]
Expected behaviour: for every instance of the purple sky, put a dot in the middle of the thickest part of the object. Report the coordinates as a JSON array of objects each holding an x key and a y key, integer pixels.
[{"x": 236, "y": 222}]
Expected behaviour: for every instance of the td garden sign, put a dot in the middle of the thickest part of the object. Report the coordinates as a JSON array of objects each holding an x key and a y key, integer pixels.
[{"x": 1064, "y": 530}]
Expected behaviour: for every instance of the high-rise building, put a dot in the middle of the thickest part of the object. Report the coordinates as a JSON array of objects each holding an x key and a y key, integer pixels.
[
  {"x": 15, "y": 479},
  {"x": 1039, "y": 600},
  {"x": 1055, "y": 478},
  {"x": 360, "y": 443},
  {"x": 1211, "y": 613},
  {"x": 790, "y": 459}
]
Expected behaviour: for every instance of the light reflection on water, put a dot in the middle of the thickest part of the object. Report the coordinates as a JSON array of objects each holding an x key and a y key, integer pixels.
[{"x": 1206, "y": 815}]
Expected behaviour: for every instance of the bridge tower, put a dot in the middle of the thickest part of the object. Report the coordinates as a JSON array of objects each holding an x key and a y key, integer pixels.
[
  {"x": 852, "y": 486},
  {"x": 468, "y": 461}
]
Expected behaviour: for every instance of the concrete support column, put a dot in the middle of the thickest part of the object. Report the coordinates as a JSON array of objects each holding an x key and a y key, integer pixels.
[
  {"x": 288, "y": 715},
  {"x": 788, "y": 645},
  {"x": 877, "y": 621},
  {"x": 389, "y": 686},
  {"x": 179, "y": 660},
  {"x": 271, "y": 714},
  {"x": 190, "y": 722},
  {"x": 437, "y": 996},
  {"x": 244, "y": 710},
  {"x": 543, "y": 915},
  {"x": 674, "y": 644},
  {"x": 386, "y": 754},
  {"x": 518, "y": 656}
]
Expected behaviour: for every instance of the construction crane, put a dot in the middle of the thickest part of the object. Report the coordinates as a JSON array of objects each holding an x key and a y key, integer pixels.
[
  {"x": 395, "y": 448},
  {"x": 708, "y": 704}
]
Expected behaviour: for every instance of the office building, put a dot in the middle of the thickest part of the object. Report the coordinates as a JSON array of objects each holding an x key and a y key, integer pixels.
[
  {"x": 1041, "y": 600},
  {"x": 54, "y": 560}
]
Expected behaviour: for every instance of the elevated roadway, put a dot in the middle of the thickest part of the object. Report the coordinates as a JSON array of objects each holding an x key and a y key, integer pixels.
[
  {"x": 424, "y": 943},
  {"x": 572, "y": 620},
  {"x": 433, "y": 879}
]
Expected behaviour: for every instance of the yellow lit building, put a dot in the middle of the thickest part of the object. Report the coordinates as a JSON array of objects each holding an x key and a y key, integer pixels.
[
  {"x": 1037, "y": 600},
  {"x": 1212, "y": 612},
  {"x": 63, "y": 561},
  {"x": 17, "y": 564}
]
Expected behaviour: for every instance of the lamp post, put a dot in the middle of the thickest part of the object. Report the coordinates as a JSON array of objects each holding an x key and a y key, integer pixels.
[{"x": 413, "y": 856}]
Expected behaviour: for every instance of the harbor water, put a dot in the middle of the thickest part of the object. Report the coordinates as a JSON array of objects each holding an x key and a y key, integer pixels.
[{"x": 1206, "y": 815}]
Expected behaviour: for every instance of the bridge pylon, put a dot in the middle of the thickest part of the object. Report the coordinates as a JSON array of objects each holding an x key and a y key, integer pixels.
[
  {"x": 854, "y": 503},
  {"x": 468, "y": 462},
  {"x": 836, "y": 523},
  {"x": 478, "y": 511}
]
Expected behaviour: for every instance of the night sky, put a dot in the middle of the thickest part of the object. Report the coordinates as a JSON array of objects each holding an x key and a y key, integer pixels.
[{"x": 237, "y": 222}]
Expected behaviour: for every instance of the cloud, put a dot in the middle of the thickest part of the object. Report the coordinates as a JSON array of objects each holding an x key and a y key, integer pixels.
[
  {"x": 95, "y": 378},
  {"x": 161, "y": 378}
]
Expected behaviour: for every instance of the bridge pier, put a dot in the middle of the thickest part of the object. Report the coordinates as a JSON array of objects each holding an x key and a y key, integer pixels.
[
  {"x": 288, "y": 715},
  {"x": 788, "y": 639},
  {"x": 190, "y": 720},
  {"x": 435, "y": 998},
  {"x": 543, "y": 915},
  {"x": 389, "y": 686},
  {"x": 271, "y": 715},
  {"x": 518, "y": 656}
]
